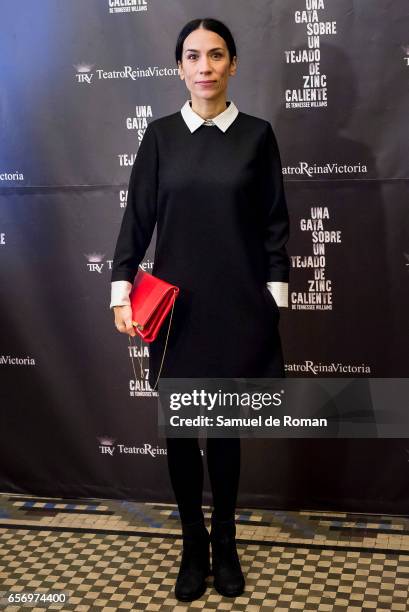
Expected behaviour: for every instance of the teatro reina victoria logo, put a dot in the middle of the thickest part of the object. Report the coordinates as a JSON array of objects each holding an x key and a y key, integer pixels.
[
  {"x": 88, "y": 74},
  {"x": 107, "y": 446},
  {"x": 97, "y": 263},
  {"x": 337, "y": 369},
  {"x": 331, "y": 168},
  {"x": 127, "y": 6}
]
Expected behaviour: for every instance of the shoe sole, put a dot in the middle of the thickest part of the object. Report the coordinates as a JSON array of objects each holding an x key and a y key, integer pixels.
[{"x": 227, "y": 594}]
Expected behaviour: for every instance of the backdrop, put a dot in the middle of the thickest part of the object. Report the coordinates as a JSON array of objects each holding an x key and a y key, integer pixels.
[{"x": 80, "y": 83}]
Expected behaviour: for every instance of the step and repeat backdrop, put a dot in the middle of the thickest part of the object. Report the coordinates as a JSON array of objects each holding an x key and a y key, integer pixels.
[{"x": 80, "y": 83}]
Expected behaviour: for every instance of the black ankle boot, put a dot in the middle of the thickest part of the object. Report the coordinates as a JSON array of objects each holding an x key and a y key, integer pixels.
[
  {"x": 195, "y": 563},
  {"x": 228, "y": 577}
]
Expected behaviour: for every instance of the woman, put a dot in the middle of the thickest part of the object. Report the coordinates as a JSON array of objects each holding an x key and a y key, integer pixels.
[{"x": 210, "y": 177}]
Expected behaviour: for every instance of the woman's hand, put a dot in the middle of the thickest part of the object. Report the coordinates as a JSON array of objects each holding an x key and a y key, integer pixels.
[{"x": 123, "y": 320}]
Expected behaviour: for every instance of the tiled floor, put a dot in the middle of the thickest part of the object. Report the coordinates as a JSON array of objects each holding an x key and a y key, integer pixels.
[{"x": 119, "y": 555}]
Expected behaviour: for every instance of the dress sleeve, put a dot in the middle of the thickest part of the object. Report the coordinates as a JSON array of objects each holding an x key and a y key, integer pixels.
[
  {"x": 138, "y": 221},
  {"x": 279, "y": 291},
  {"x": 120, "y": 291},
  {"x": 277, "y": 221}
]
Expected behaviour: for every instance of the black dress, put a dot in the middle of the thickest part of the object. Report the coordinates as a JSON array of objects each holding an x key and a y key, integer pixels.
[{"x": 222, "y": 226}]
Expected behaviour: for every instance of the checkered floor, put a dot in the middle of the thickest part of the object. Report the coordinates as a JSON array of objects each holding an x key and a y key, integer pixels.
[{"x": 113, "y": 555}]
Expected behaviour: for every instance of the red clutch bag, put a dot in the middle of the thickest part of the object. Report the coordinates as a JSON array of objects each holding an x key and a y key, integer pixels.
[{"x": 151, "y": 300}]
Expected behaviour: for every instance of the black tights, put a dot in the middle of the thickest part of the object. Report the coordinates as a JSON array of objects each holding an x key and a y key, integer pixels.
[{"x": 186, "y": 475}]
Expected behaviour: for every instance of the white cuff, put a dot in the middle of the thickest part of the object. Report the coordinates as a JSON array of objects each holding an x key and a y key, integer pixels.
[
  {"x": 120, "y": 291},
  {"x": 279, "y": 291}
]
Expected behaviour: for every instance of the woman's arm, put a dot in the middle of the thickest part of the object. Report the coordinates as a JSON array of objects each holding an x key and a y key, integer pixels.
[
  {"x": 277, "y": 221},
  {"x": 136, "y": 230},
  {"x": 139, "y": 218}
]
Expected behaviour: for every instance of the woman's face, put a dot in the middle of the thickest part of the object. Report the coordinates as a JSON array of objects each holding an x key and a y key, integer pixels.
[{"x": 206, "y": 65}]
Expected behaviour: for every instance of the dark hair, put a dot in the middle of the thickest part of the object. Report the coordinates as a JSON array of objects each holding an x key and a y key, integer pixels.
[{"x": 214, "y": 25}]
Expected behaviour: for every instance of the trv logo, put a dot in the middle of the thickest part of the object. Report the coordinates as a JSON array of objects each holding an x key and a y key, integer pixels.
[
  {"x": 84, "y": 74},
  {"x": 96, "y": 262},
  {"x": 107, "y": 447}
]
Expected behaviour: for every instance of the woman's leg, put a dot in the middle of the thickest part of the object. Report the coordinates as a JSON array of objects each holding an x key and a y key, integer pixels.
[
  {"x": 223, "y": 456},
  {"x": 223, "y": 462},
  {"x": 186, "y": 475}
]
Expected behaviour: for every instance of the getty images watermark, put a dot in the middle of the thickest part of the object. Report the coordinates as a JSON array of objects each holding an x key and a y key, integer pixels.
[{"x": 284, "y": 408}]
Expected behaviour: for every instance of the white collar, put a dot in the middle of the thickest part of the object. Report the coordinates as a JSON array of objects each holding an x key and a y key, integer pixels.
[{"x": 223, "y": 120}]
